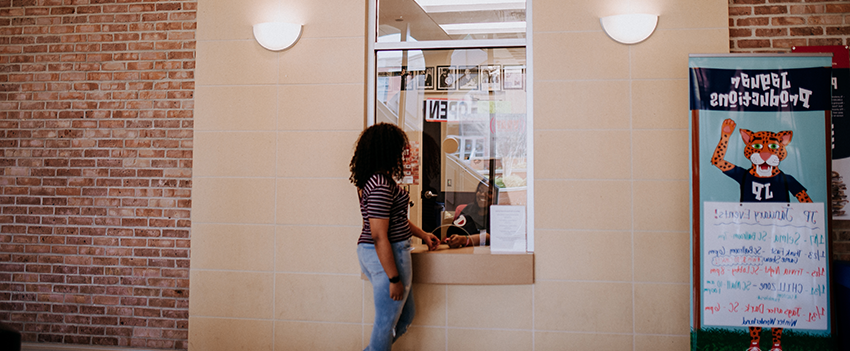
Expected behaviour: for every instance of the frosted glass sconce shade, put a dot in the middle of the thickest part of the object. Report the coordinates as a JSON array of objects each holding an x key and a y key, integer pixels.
[
  {"x": 277, "y": 36},
  {"x": 629, "y": 29}
]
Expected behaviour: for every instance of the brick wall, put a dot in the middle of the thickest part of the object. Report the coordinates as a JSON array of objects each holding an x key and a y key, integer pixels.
[
  {"x": 95, "y": 170},
  {"x": 778, "y": 25},
  {"x": 769, "y": 26}
]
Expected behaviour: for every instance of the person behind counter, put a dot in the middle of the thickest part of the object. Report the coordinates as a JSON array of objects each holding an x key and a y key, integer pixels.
[
  {"x": 383, "y": 247},
  {"x": 473, "y": 219}
]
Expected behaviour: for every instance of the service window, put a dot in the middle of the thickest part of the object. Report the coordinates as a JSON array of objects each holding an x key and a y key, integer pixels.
[{"x": 454, "y": 75}]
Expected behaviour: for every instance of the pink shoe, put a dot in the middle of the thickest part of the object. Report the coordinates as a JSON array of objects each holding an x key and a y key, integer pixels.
[
  {"x": 753, "y": 348},
  {"x": 776, "y": 348}
]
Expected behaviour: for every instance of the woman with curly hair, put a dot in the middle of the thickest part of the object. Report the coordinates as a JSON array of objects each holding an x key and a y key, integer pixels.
[{"x": 384, "y": 244}]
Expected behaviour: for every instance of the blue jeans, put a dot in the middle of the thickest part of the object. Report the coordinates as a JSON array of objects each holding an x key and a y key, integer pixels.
[{"x": 391, "y": 317}]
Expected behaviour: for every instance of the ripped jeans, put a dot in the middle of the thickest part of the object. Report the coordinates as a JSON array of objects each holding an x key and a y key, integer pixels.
[{"x": 391, "y": 317}]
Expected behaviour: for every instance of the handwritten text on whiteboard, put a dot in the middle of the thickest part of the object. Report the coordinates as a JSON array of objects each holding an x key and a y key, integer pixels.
[{"x": 764, "y": 265}]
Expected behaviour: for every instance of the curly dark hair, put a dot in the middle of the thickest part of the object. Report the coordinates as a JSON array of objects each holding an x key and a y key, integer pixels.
[{"x": 379, "y": 149}]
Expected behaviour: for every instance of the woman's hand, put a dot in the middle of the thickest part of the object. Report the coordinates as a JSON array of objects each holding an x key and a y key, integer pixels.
[
  {"x": 432, "y": 241},
  {"x": 455, "y": 241},
  {"x": 396, "y": 291},
  {"x": 429, "y": 239}
]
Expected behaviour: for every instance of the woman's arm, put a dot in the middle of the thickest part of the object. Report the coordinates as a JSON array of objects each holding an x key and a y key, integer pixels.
[
  {"x": 380, "y": 227},
  {"x": 429, "y": 239}
]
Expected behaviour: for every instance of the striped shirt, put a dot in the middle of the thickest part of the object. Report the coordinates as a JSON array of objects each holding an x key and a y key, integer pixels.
[{"x": 381, "y": 197}]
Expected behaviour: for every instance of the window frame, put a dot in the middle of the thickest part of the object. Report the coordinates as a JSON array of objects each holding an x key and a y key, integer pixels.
[{"x": 373, "y": 47}]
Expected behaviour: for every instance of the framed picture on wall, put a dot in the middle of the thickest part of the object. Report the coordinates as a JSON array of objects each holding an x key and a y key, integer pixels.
[
  {"x": 514, "y": 78},
  {"x": 407, "y": 79},
  {"x": 425, "y": 78},
  {"x": 446, "y": 78},
  {"x": 468, "y": 77},
  {"x": 491, "y": 77}
]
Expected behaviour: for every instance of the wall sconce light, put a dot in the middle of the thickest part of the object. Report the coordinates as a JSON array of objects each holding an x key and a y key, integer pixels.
[
  {"x": 277, "y": 36},
  {"x": 629, "y": 29}
]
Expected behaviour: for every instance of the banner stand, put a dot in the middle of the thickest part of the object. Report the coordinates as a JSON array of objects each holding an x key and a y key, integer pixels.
[{"x": 760, "y": 201}]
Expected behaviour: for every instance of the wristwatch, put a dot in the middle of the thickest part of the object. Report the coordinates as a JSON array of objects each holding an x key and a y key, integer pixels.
[{"x": 395, "y": 279}]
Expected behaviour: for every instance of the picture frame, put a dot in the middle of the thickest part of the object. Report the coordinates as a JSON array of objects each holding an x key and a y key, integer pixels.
[
  {"x": 468, "y": 78},
  {"x": 513, "y": 77},
  {"x": 491, "y": 77},
  {"x": 446, "y": 78},
  {"x": 425, "y": 79},
  {"x": 408, "y": 79}
]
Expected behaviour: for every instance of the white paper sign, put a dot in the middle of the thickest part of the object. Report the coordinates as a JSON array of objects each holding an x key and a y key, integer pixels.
[
  {"x": 764, "y": 265},
  {"x": 507, "y": 229}
]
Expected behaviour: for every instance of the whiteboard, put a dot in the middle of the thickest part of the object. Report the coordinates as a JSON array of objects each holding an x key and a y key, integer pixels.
[{"x": 764, "y": 264}]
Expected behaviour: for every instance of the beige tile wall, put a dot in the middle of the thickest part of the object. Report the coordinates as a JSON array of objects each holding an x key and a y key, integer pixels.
[
  {"x": 611, "y": 210},
  {"x": 275, "y": 219}
]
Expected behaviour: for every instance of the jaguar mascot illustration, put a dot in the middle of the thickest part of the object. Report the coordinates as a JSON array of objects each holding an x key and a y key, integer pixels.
[{"x": 763, "y": 182}]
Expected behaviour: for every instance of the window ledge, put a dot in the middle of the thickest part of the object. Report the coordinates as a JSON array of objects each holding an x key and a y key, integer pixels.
[{"x": 471, "y": 266}]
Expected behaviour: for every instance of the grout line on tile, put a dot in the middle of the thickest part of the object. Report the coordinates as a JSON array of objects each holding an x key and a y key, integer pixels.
[
  {"x": 276, "y": 272},
  {"x": 568, "y": 80},
  {"x": 446, "y": 324},
  {"x": 632, "y": 188},
  {"x": 233, "y": 318},
  {"x": 275, "y": 85},
  {"x": 276, "y": 199},
  {"x": 581, "y": 332},
  {"x": 274, "y": 178},
  {"x": 362, "y": 313},
  {"x": 302, "y": 38}
]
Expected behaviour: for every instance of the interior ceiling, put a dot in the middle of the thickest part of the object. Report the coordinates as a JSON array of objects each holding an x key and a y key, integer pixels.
[
  {"x": 479, "y": 16},
  {"x": 406, "y": 16}
]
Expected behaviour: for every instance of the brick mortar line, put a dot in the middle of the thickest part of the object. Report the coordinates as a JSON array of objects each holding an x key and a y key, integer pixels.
[
  {"x": 60, "y": 53},
  {"x": 97, "y": 265},
  {"x": 176, "y": 259},
  {"x": 168, "y": 309},
  {"x": 769, "y": 26},
  {"x": 104, "y": 285},
  {"x": 157, "y": 299},
  {"x": 91, "y": 148},
  {"x": 27, "y": 225},
  {"x": 92, "y": 14},
  {"x": 11, "y": 36},
  {"x": 117, "y": 285},
  {"x": 89, "y": 187},
  {"x": 106, "y": 295},
  {"x": 89, "y": 226},
  {"x": 181, "y": 259},
  {"x": 99, "y": 119}
]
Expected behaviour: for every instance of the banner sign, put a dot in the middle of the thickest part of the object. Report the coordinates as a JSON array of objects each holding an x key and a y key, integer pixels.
[
  {"x": 758, "y": 90},
  {"x": 760, "y": 197}
]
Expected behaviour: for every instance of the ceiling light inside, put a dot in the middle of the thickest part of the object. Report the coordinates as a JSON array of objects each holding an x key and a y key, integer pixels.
[
  {"x": 431, "y": 6},
  {"x": 483, "y": 28}
]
